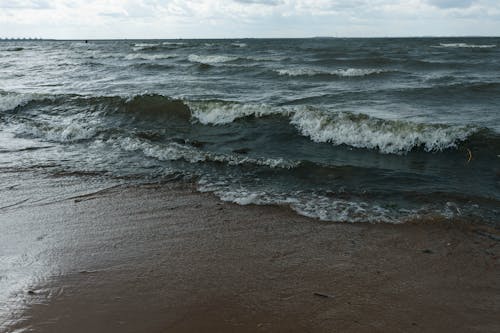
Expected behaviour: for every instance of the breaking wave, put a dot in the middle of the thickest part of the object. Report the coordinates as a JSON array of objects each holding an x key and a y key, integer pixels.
[
  {"x": 71, "y": 132},
  {"x": 9, "y": 101},
  {"x": 175, "y": 151},
  {"x": 465, "y": 45},
  {"x": 157, "y": 46},
  {"x": 145, "y": 46},
  {"x": 342, "y": 128},
  {"x": 210, "y": 59},
  {"x": 308, "y": 204},
  {"x": 349, "y": 72},
  {"x": 320, "y": 125},
  {"x": 173, "y": 44},
  {"x": 221, "y": 112},
  {"x": 387, "y": 136}
]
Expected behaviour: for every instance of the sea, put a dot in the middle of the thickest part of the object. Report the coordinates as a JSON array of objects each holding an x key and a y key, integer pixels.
[{"x": 388, "y": 130}]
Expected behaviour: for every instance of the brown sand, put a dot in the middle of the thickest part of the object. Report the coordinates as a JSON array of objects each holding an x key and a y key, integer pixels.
[{"x": 165, "y": 258}]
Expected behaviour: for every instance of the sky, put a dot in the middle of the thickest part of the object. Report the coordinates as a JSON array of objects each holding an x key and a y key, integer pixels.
[{"x": 103, "y": 19}]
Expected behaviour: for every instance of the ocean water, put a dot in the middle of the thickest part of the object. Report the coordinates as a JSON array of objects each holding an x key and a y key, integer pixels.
[{"x": 345, "y": 130}]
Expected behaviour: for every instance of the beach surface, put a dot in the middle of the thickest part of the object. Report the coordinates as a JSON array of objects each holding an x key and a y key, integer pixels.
[{"x": 165, "y": 258}]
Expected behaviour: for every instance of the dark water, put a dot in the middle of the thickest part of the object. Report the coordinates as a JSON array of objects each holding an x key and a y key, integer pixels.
[{"x": 380, "y": 130}]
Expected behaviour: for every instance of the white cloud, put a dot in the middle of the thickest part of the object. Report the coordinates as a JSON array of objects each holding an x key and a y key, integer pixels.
[
  {"x": 451, "y": 3},
  {"x": 245, "y": 18}
]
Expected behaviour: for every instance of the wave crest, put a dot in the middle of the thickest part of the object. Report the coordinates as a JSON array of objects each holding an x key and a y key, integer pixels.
[
  {"x": 210, "y": 59},
  {"x": 349, "y": 72},
  {"x": 468, "y": 46},
  {"x": 220, "y": 112},
  {"x": 388, "y": 136},
  {"x": 320, "y": 125},
  {"x": 342, "y": 128},
  {"x": 175, "y": 151},
  {"x": 143, "y": 56},
  {"x": 9, "y": 100}
]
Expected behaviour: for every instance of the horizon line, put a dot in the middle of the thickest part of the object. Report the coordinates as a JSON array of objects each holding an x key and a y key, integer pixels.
[{"x": 230, "y": 38}]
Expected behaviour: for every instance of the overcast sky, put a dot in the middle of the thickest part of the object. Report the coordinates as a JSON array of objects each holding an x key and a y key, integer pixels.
[{"x": 247, "y": 18}]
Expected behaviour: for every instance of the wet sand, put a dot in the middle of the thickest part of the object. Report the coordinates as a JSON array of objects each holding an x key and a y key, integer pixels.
[{"x": 165, "y": 258}]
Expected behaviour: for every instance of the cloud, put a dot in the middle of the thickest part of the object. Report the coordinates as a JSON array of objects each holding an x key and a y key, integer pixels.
[
  {"x": 451, "y": 3},
  {"x": 31, "y": 4},
  {"x": 246, "y": 18},
  {"x": 260, "y": 2}
]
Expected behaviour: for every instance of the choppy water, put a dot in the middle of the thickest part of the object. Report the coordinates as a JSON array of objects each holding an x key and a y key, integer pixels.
[{"x": 379, "y": 130}]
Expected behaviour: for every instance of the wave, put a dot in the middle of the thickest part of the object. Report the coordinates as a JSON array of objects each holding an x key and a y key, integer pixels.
[
  {"x": 10, "y": 101},
  {"x": 239, "y": 44},
  {"x": 387, "y": 136},
  {"x": 320, "y": 125},
  {"x": 465, "y": 45},
  {"x": 173, "y": 44},
  {"x": 342, "y": 128},
  {"x": 314, "y": 205},
  {"x": 13, "y": 49},
  {"x": 157, "y": 46},
  {"x": 175, "y": 151},
  {"x": 347, "y": 207},
  {"x": 349, "y": 72},
  {"x": 222, "y": 112},
  {"x": 72, "y": 131},
  {"x": 143, "y": 56},
  {"x": 153, "y": 106},
  {"x": 145, "y": 46},
  {"x": 153, "y": 66},
  {"x": 210, "y": 59},
  {"x": 267, "y": 58},
  {"x": 456, "y": 88}
]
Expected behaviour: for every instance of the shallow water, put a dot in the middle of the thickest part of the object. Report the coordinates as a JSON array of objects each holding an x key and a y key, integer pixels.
[{"x": 378, "y": 130}]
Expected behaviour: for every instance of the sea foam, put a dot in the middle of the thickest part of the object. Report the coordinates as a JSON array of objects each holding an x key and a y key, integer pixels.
[
  {"x": 349, "y": 72},
  {"x": 218, "y": 112},
  {"x": 175, "y": 151},
  {"x": 10, "y": 101},
  {"x": 465, "y": 45},
  {"x": 387, "y": 136},
  {"x": 210, "y": 59}
]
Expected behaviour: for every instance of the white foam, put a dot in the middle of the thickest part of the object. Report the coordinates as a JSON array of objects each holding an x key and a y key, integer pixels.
[
  {"x": 306, "y": 204},
  {"x": 218, "y": 113},
  {"x": 74, "y": 132},
  {"x": 388, "y": 136},
  {"x": 239, "y": 44},
  {"x": 339, "y": 210},
  {"x": 143, "y": 56},
  {"x": 173, "y": 43},
  {"x": 170, "y": 152},
  {"x": 144, "y": 46},
  {"x": 349, "y": 72},
  {"x": 70, "y": 132},
  {"x": 465, "y": 45},
  {"x": 357, "y": 72},
  {"x": 210, "y": 59},
  {"x": 174, "y": 151},
  {"x": 9, "y": 101}
]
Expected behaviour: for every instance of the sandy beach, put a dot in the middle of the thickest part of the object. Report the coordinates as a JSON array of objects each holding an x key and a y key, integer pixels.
[{"x": 166, "y": 258}]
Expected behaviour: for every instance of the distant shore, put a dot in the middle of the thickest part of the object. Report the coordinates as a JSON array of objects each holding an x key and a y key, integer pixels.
[{"x": 166, "y": 258}]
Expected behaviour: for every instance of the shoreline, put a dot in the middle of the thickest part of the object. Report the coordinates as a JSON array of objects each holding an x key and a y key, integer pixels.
[{"x": 166, "y": 258}]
